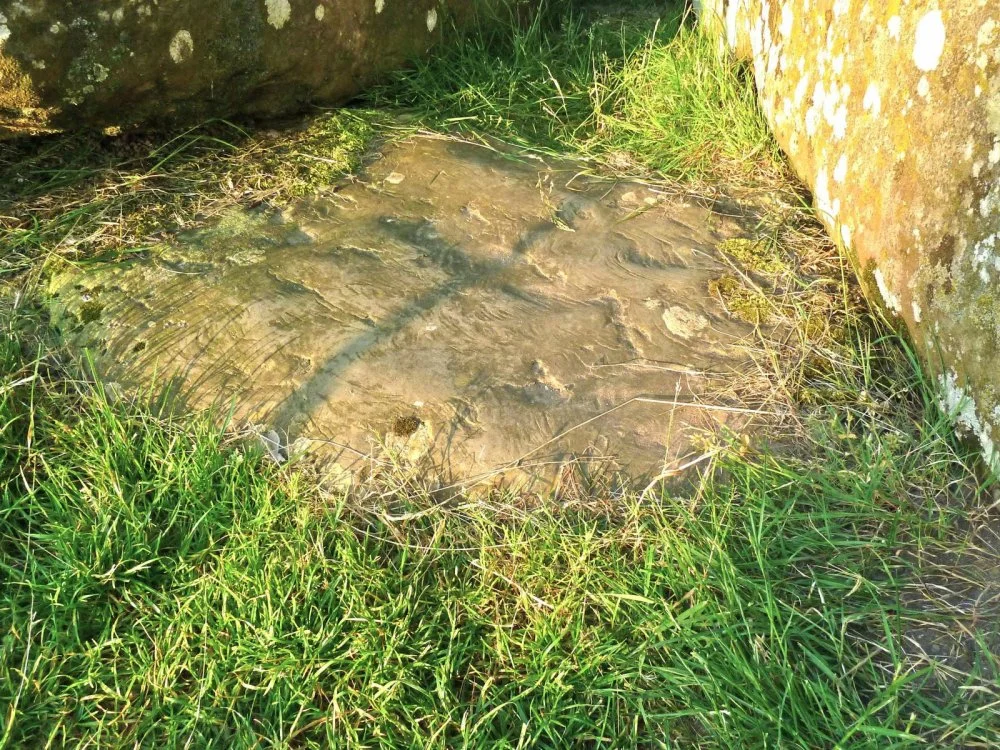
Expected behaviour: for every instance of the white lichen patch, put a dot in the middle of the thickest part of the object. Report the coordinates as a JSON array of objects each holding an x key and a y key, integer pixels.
[
  {"x": 985, "y": 257},
  {"x": 959, "y": 404},
  {"x": 867, "y": 17},
  {"x": 379, "y": 6},
  {"x": 432, "y": 20},
  {"x": 872, "y": 101},
  {"x": 923, "y": 87},
  {"x": 832, "y": 104},
  {"x": 891, "y": 300},
  {"x": 827, "y": 208},
  {"x": 4, "y": 30},
  {"x": 684, "y": 323},
  {"x": 812, "y": 121},
  {"x": 320, "y": 12},
  {"x": 894, "y": 26},
  {"x": 793, "y": 143},
  {"x": 787, "y": 20},
  {"x": 929, "y": 41},
  {"x": 801, "y": 88},
  {"x": 917, "y": 312},
  {"x": 838, "y": 124},
  {"x": 181, "y": 46},
  {"x": 840, "y": 171},
  {"x": 278, "y": 12},
  {"x": 987, "y": 34},
  {"x": 23, "y": 8},
  {"x": 990, "y": 205}
]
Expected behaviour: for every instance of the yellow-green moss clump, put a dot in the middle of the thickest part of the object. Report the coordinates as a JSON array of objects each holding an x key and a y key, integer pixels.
[
  {"x": 742, "y": 302},
  {"x": 758, "y": 255},
  {"x": 16, "y": 91},
  {"x": 20, "y": 113}
]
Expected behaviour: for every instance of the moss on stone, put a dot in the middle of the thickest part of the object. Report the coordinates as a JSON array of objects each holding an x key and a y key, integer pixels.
[
  {"x": 90, "y": 311},
  {"x": 17, "y": 93},
  {"x": 758, "y": 255},
  {"x": 746, "y": 304},
  {"x": 330, "y": 147}
]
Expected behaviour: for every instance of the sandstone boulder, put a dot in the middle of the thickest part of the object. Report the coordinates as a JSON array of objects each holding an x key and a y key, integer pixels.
[
  {"x": 67, "y": 64},
  {"x": 453, "y": 309},
  {"x": 890, "y": 112}
]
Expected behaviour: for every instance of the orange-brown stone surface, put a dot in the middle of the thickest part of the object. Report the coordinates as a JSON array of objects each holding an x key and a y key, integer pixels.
[{"x": 890, "y": 112}]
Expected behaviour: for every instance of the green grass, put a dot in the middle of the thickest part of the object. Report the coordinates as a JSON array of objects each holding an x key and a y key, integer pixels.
[
  {"x": 628, "y": 88},
  {"x": 165, "y": 585},
  {"x": 634, "y": 90},
  {"x": 79, "y": 196}
]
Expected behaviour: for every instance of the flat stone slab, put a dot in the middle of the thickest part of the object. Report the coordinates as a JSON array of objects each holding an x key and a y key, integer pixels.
[{"x": 455, "y": 306}]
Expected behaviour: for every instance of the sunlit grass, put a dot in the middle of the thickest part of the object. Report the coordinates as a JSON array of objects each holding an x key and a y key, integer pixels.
[
  {"x": 165, "y": 585},
  {"x": 635, "y": 89}
]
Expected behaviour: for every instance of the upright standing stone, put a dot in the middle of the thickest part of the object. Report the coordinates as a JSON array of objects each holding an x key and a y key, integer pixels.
[{"x": 890, "y": 112}]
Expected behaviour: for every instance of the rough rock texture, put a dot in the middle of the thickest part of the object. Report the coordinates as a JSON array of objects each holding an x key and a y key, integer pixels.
[
  {"x": 453, "y": 305},
  {"x": 890, "y": 112},
  {"x": 65, "y": 64}
]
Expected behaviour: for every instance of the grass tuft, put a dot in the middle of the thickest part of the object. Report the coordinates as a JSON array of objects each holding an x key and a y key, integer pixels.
[
  {"x": 81, "y": 196},
  {"x": 167, "y": 586},
  {"x": 635, "y": 90}
]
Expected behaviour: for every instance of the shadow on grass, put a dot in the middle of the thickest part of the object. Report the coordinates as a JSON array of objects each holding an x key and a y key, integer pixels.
[{"x": 82, "y": 195}]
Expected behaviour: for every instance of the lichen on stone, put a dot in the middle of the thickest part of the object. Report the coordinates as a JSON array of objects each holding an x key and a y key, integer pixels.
[
  {"x": 98, "y": 65},
  {"x": 278, "y": 12},
  {"x": 890, "y": 112},
  {"x": 181, "y": 46},
  {"x": 959, "y": 403}
]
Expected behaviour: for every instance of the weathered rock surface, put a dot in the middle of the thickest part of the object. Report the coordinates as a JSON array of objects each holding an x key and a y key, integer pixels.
[
  {"x": 453, "y": 305},
  {"x": 67, "y": 64},
  {"x": 890, "y": 112}
]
